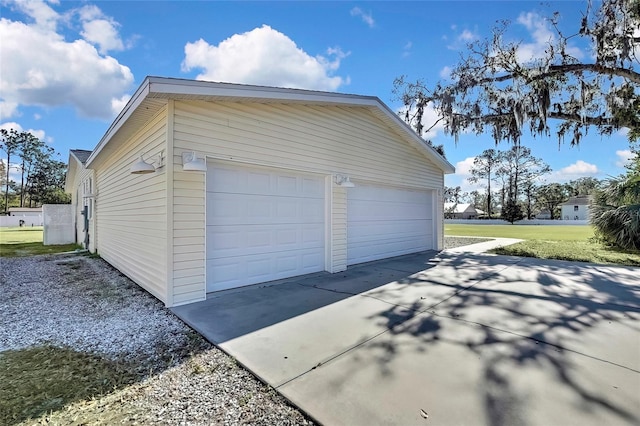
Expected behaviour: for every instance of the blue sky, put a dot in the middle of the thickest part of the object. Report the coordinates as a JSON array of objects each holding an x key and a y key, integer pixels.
[{"x": 67, "y": 68}]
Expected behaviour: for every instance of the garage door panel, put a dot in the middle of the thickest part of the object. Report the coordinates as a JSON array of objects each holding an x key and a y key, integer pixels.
[
  {"x": 239, "y": 180},
  {"x": 384, "y": 211},
  {"x": 262, "y": 225},
  {"x": 387, "y": 248},
  {"x": 228, "y": 209},
  {"x": 230, "y": 272},
  {"x": 253, "y": 239},
  {"x": 384, "y": 222},
  {"x": 374, "y": 230}
]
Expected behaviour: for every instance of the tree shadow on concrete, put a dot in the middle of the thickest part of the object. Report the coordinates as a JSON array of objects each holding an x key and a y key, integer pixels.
[{"x": 571, "y": 327}]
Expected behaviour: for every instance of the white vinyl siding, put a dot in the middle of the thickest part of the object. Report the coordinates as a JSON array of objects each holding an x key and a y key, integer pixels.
[
  {"x": 78, "y": 200},
  {"x": 325, "y": 139},
  {"x": 131, "y": 210},
  {"x": 308, "y": 138},
  {"x": 338, "y": 238}
]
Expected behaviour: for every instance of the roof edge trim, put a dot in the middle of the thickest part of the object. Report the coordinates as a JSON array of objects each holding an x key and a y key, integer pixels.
[{"x": 126, "y": 112}]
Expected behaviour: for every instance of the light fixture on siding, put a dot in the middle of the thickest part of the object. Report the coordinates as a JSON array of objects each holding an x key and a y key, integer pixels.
[
  {"x": 344, "y": 181},
  {"x": 141, "y": 167},
  {"x": 191, "y": 162}
]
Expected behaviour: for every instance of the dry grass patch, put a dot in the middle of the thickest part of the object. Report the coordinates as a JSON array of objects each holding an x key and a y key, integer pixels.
[{"x": 43, "y": 379}]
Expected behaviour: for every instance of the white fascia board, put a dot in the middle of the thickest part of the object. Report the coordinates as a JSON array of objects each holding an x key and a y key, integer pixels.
[
  {"x": 178, "y": 87},
  {"x": 122, "y": 118}
]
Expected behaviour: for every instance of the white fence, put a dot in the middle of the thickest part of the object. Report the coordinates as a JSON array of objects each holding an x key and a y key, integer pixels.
[
  {"x": 58, "y": 224},
  {"x": 520, "y": 222},
  {"x": 28, "y": 220}
]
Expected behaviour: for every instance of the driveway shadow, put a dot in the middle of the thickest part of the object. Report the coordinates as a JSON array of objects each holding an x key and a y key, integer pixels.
[
  {"x": 572, "y": 327},
  {"x": 227, "y": 315},
  {"x": 509, "y": 340}
]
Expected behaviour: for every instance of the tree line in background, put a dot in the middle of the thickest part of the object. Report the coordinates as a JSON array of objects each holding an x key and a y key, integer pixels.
[
  {"x": 41, "y": 175},
  {"x": 495, "y": 90},
  {"x": 537, "y": 198},
  {"x": 614, "y": 202}
]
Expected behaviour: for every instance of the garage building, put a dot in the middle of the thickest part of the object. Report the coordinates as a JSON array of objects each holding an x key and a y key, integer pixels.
[{"x": 198, "y": 186}]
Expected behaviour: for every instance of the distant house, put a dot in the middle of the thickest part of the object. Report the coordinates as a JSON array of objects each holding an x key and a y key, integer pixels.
[
  {"x": 576, "y": 208},
  {"x": 461, "y": 211},
  {"x": 544, "y": 214},
  {"x": 25, "y": 211},
  {"x": 22, "y": 216},
  {"x": 80, "y": 184}
]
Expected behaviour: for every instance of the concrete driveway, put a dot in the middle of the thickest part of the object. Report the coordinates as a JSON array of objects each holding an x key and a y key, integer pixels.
[{"x": 440, "y": 339}]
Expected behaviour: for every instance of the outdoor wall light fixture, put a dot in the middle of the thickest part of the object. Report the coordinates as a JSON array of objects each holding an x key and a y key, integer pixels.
[
  {"x": 191, "y": 162},
  {"x": 344, "y": 181},
  {"x": 141, "y": 167}
]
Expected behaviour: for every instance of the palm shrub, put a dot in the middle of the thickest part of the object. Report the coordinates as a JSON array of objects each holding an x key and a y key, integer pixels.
[{"x": 615, "y": 210}]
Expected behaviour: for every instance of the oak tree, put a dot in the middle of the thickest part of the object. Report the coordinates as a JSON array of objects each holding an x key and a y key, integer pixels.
[{"x": 496, "y": 89}]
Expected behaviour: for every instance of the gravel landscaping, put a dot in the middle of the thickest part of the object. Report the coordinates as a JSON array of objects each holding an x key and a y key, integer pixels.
[{"x": 82, "y": 303}]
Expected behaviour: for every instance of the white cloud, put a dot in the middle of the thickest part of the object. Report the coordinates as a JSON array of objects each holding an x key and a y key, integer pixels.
[
  {"x": 462, "y": 39},
  {"x": 99, "y": 29},
  {"x": 8, "y": 109},
  {"x": 467, "y": 36},
  {"x": 53, "y": 72},
  {"x": 367, "y": 18},
  {"x": 446, "y": 72},
  {"x": 460, "y": 178},
  {"x": 430, "y": 121},
  {"x": 573, "y": 171},
  {"x": 580, "y": 167},
  {"x": 406, "y": 49},
  {"x": 624, "y": 158},
  {"x": 103, "y": 33},
  {"x": 264, "y": 56},
  {"x": 40, "y": 134},
  {"x": 463, "y": 168},
  {"x": 540, "y": 30},
  {"x": 44, "y": 16}
]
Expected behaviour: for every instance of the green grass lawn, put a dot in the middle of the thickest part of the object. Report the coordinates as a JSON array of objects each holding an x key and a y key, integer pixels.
[
  {"x": 27, "y": 242},
  {"x": 523, "y": 232},
  {"x": 570, "y": 242}
]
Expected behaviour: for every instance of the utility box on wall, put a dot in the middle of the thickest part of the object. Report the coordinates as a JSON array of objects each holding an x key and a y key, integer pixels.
[{"x": 59, "y": 227}]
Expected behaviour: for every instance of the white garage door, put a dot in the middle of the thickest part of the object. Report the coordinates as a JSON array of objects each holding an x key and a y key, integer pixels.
[
  {"x": 385, "y": 222},
  {"x": 262, "y": 225}
]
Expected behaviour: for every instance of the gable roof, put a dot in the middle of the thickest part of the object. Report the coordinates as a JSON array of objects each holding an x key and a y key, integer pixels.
[
  {"x": 460, "y": 208},
  {"x": 82, "y": 155},
  {"x": 153, "y": 93},
  {"x": 581, "y": 200},
  {"x": 77, "y": 160}
]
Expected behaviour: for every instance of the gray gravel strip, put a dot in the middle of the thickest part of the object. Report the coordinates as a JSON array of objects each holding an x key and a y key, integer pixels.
[{"x": 83, "y": 303}]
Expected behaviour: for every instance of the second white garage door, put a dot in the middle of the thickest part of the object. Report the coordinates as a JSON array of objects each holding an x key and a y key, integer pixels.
[
  {"x": 262, "y": 224},
  {"x": 385, "y": 222}
]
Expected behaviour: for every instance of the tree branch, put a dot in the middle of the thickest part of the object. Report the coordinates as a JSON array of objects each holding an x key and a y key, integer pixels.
[
  {"x": 595, "y": 121},
  {"x": 570, "y": 68}
]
